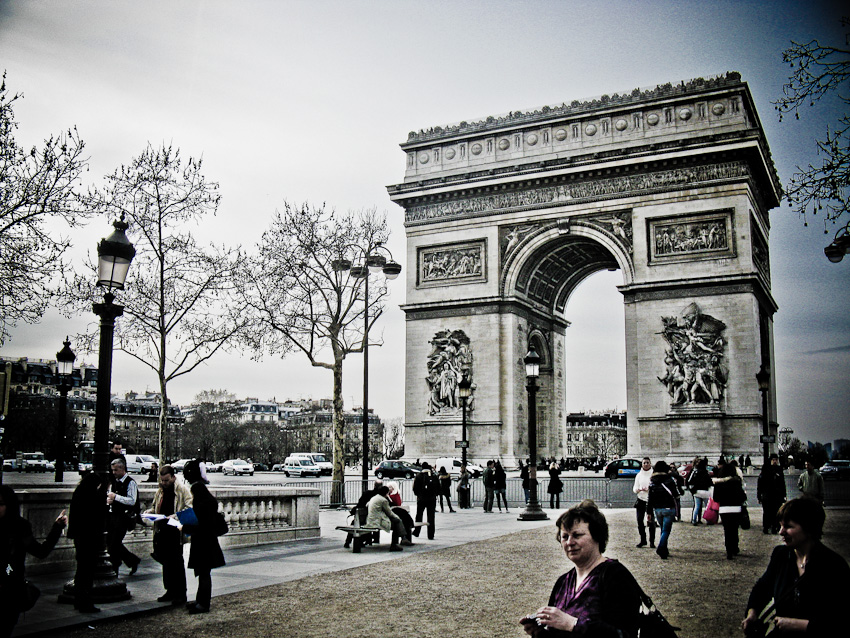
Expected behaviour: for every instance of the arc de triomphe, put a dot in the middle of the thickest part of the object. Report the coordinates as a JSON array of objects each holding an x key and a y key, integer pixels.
[{"x": 505, "y": 217}]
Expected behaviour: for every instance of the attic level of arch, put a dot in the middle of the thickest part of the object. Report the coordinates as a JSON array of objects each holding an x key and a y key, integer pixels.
[{"x": 594, "y": 184}]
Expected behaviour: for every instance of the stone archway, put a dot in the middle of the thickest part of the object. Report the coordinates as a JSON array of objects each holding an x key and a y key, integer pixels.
[{"x": 504, "y": 218}]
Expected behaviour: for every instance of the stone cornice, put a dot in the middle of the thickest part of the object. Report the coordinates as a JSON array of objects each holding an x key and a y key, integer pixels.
[
  {"x": 667, "y": 91},
  {"x": 483, "y": 306},
  {"x": 751, "y": 283}
]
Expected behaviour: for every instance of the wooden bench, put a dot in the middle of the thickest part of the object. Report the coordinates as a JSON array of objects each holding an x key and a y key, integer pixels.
[{"x": 357, "y": 532}]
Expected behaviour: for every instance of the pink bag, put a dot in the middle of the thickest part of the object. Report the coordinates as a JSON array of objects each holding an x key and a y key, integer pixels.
[{"x": 711, "y": 512}]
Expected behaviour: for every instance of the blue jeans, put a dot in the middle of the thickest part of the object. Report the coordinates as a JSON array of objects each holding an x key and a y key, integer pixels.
[
  {"x": 699, "y": 503},
  {"x": 664, "y": 518}
]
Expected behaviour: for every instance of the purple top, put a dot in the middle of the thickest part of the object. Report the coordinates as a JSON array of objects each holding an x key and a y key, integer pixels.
[{"x": 585, "y": 603}]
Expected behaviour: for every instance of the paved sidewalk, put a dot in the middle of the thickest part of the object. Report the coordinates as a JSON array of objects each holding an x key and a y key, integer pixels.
[{"x": 254, "y": 567}]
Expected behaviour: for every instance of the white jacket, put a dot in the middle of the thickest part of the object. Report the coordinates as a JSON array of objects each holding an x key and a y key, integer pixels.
[{"x": 641, "y": 487}]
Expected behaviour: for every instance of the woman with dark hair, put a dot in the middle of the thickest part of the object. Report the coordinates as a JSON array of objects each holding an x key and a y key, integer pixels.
[
  {"x": 699, "y": 484},
  {"x": 804, "y": 584},
  {"x": 205, "y": 553},
  {"x": 730, "y": 496},
  {"x": 662, "y": 501},
  {"x": 598, "y": 596},
  {"x": 85, "y": 528},
  {"x": 555, "y": 486},
  {"x": 500, "y": 485},
  {"x": 445, "y": 489},
  {"x": 16, "y": 541}
]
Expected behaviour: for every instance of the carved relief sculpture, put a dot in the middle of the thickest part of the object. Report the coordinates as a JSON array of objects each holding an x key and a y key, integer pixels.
[
  {"x": 451, "y": 263},
  {"x": 696, "y": 373},
  {"x": 449, "y": 361},
  {"x": 693, "y": 237}
]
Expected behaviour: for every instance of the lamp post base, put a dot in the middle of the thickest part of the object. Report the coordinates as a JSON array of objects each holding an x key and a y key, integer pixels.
[{"x": 533, "y": 512}]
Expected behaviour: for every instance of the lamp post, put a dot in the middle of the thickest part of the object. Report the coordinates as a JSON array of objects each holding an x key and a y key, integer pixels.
[
  {"x": 64, "y": 368},
  {"x": 464, "y": 389},
  {"x": 763, "y": 378},
  {"x": 839, "y": 247},
  {"x": 533, "y": 511},
  {"x": 372, "y": 263}
]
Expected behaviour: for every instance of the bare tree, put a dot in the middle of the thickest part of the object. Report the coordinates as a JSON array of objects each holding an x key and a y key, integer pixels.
[
  {"x": 393, "y": 437},
  {"x": 301, "y": 302},
  {"x": 37, "y": 188},
  {"x": 180, "y": 309},
  {"x": 819, "y": 71}
]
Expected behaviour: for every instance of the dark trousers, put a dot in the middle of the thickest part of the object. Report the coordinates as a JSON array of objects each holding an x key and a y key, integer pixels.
[
  {"x": 204, "y": 594},
  {"x": 8, "y": 620},
  {"x": 769, "y": 522},
  {"x": 731, "y": 522},
  {"x": 87, "y": 553},
  {"x": 463, "y": 498},
  {"x": 642, "y": 511},
  {"x": 116, "y": 529},
  {"x": 421, "y": 506},
  {"x": 169, "y": 551},
  {"x": 448, "y": 497}
]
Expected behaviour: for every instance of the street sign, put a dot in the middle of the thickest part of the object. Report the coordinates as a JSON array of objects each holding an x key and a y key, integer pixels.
[
  {"x": 768, "y": 438},
  {"x": 461, "y": 444}
]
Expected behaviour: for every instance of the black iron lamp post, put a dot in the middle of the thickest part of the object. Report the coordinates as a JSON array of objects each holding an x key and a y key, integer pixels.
[
  {"x": 464, "y": 390},
  {"x": 114, "y": 255},
  {"x": 763, "y": 378},
  {"x": 372, "y": 263},
  {"x": 839, "y": 247},
  {"x": 533, "y": 511},
  {"x": 64, "y": 368}
]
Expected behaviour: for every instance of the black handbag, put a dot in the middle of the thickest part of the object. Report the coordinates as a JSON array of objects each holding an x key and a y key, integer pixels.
[
  {"x": 745, "y": 517},
  {"x": 652, "y": 623}
]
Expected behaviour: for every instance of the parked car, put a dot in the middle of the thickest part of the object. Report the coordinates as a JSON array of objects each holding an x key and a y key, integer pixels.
[
  {"x": 237, "y": 466},
  {"x": 277, "y": 467},
  {"x": 213, "y": 467},
  {"x": 622, "y": 468},
  {"x": 396, "y": 469},
  {"x": 139, "y": 463},
  {"x": 261, "y": 467},
  {"x": 178, "y": 465},
  {"x": 452, "y": 465},
  {"x": 835, "y": 470},
  {"x": 34, "y": 462},
  {"x": 319, "y": 459},
  {"x": 294, "y": 466}
]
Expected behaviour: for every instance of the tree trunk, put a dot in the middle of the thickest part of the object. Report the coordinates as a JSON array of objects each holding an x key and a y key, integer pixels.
[
  {"x": 338, "y": 495},
  {"x": 163, "y": 423}
]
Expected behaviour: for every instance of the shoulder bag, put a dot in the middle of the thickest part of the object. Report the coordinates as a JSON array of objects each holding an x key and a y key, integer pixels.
[{"x": 652, "y": 623}]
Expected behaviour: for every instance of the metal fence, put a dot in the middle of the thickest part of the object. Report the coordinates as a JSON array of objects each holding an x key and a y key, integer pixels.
[{"x": 606, "y": 493}]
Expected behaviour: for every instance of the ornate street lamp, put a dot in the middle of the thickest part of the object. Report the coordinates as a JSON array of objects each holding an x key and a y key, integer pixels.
[
  {"x": 839, "y": 247},
  {"x": 464, "y": 390},
  {"x": 533, "y": 511},
  {"x": 372, "y": 263},
  {"x": 763, "y": 378},
  {"x": 64, "y": 368}
]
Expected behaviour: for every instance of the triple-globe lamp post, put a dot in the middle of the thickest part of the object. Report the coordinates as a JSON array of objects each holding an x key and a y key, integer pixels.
[
  {"x": 763, "y": 379},
  {"x": 533, "y": 511},
  {"x": 371, "y": 261},
  {"x": 464, "y": 390},
  {"x": 64, "y": 369}
]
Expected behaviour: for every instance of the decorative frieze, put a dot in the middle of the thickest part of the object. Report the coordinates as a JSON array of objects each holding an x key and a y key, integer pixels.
[
  {"x": 577, "y": 192},
  {"x": 691, "y": 236},
  {"x": 452, "y": 264}
]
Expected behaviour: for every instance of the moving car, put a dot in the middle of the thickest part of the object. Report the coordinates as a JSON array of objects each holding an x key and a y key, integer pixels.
[
  {"x": 453, "y": 464},
  {"x": 237, "y": 466},
  {"x": 294, "y": 466},
  {"x": 178, "y": 465},
  {"x": 622, "y": 468},
  {"x": 139, "y": 463},
  {"x": 34, "y": 462},
  {"x": 318, "y": 459},
  {"x": 396, "y": 469},
  {"x": 835, "y": 470}
]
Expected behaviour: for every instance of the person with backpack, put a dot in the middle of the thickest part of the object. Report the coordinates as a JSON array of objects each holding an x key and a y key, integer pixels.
[
  {"x": 662, "y": 501},
  {"x": 426, "y": 487}
]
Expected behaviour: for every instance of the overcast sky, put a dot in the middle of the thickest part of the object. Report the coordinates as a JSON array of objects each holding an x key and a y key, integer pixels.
[{"x": 308, "y": 101}]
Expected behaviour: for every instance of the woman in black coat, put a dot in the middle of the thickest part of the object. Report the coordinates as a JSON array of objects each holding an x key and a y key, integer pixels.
[
  {"x": 555, "y": 486},
  {"x": 16, "y": 541},
  {"x": 205, "y": 553}
]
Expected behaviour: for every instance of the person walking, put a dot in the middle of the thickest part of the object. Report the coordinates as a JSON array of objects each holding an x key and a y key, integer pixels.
[
  {"x": 172, "y": 496},
  {"x": 426, "y": 486},
  {"x": 699, "y": 484},
  {"x": 771, "y": 493},
  {"x": 730, "y": 496},
  {"x": 680, "y": 489},
  {"x": 463, "y": 489},
  {"x": 16, "y": 541},
  {"x": 642, "y": 510},
  {"x": 662, "y": 502},
  {"x": 205, "y": 553},
  {"x": 445, "y": 489},
  {"x": 489, "y": 487},
  {"x": 86, "y": 522},
  {"x": 500, "y": 485},
  {"x": 810, "y": 483},
  {"x": 122, "y": 500},
  {"x": 555, "y": 486}
]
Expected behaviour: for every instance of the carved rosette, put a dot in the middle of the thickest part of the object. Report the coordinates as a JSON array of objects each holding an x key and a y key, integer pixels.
[
  {"x": 448, "y": 363},
  {"x": 694, "y": 359}
]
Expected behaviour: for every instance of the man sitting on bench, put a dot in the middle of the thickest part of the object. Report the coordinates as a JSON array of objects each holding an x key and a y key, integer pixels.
[
  {"x": 380, "y": 515},
  {"x": 362, "y": 502}
]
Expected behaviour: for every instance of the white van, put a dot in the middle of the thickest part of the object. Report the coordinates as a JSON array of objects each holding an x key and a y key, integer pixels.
[
  {"x": 318, "y": 459},
  {"x": 298, "y": 466},
  {"x": 453, "y": 466},
  {"x": 139, "y": 463}
]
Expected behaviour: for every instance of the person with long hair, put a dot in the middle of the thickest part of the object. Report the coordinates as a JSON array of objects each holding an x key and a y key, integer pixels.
[
  {"x": 804, "y": 583},
  {"x": 699, "y": 484},
  {"x": 205, "y": 553},
  {"x": 556, "y": 485},
  {"x": 445, "y": 489},
  {"x": 599, "y": 596},
  {"x": 662, "y": 502},
  {"x": 16, "y": 541},
  {"x": 500, "y": 485},
  {"x": 730, "y": 496}
]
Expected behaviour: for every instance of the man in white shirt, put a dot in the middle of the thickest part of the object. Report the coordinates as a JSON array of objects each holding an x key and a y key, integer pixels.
[
  {"x": 121, "y": 500},
  {"x": 641, "y": 488}
]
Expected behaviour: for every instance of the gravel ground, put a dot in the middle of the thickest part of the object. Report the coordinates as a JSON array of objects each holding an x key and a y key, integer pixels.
[{"x": 480, "y": 590}]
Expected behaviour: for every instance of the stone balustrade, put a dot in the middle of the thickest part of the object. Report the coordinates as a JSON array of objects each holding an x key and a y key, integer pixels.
[{"x": 255, "y": 516}]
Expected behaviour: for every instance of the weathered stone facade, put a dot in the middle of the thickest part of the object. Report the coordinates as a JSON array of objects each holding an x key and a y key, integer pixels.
[{"x": 505, "y": 217}]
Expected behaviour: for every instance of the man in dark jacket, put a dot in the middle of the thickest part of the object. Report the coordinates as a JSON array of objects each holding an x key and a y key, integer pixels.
[
  {"x": 123, "y": 504},
  {"x": 771, "y": 493},
  {"x": 426, "y": 487}
]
